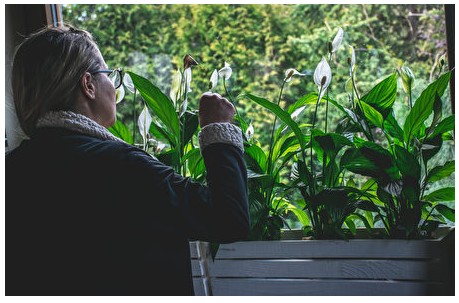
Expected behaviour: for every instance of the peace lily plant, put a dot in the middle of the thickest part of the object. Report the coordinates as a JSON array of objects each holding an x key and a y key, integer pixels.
[
  {"x": 170, "y": 134},
  {"x": 397, "y": 170},
  {"x": 318, "y": 163}
]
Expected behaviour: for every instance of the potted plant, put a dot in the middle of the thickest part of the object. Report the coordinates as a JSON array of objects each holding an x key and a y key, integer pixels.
[
  {"x": 411, "y": 255},
  {"x": 397, "y": 259},
  {"x": 169, "y": 135}
]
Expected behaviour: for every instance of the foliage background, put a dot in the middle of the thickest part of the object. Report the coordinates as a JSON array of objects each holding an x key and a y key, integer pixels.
[{"x": 261, "y": 41}]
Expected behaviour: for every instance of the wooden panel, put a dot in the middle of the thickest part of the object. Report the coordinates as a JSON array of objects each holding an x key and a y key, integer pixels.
[
  {"x": 198, "y": 285},
  {"x": 330, "y": 267},
  {"x": 413, "y": 249},
  {"x": 193, "y": 250},
  {"x": 303, "y": 287},
  {"x": 320, "y": 268},
  {"x": 195, "y": 268}
]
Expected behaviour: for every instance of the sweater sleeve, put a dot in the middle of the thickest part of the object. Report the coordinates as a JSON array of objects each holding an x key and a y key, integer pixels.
[{"x": 217, "y": 211}]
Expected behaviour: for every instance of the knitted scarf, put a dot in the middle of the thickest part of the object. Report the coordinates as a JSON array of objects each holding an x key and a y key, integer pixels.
[
  {"x": 76, "y": 122},
  {"x": 213, "y": 133}
]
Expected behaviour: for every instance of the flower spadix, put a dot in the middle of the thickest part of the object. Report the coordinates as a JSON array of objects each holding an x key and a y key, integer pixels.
[
  {"x": 249, "y": 132},
  {"x": 322, "y": 76}
]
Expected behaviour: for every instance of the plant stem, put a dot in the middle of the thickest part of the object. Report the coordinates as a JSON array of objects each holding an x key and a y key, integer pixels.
[
  {"x": 230, "y": 97},
  {"x": 311, "y": 137},
  {"x": 135, "y": 118},
  {"x": 271, "y": 148},
  {"x": 182, "y": 132},
  {"x": 368, "y": 135},
  {"x": 145, "y": 140},
  {"x": 271, "y": 141},
  {"x": 326, "y": 101}
]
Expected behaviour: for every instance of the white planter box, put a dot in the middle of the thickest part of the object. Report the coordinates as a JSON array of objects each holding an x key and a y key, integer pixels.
[{"x": 326, "y": 267}]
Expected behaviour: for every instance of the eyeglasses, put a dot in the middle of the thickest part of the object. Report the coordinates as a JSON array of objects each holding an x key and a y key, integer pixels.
[{"x": 115, "y": 75}]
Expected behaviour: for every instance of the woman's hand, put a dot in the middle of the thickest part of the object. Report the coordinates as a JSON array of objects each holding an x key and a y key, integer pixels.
[{"x": 214, "y": 108}]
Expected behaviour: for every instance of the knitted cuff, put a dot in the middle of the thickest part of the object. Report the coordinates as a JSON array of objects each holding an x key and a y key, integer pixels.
[{"x": 221, "y": 133}]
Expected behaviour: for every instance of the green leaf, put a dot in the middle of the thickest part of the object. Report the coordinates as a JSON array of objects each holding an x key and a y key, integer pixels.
[
  {"x": 441, "y": 195},
  {"x": 407, "y": 163},
  {"x": 328, "y": 144},
  {"x": 367, "y": 205},
  {"x": 281, "y": 114},
  {"x": 392, "y": 127},
  {"x": 308, "y": 99},
  {"x": 370, "y": 159},
  {"x": 261, "y": 181},
  {"x": 161, "y": 105},
  {"x": 160, "y": 132},
  {"x": 444, "y": 126},
  {"x": 437, "y": 109},
  {"x": 382, "y": 96},
  {"x": 446, "y": 212},
  {"x": 430, "y": 225},
  {"x": 191, "y": 123},
  {"x": 351, "y": 225},
  {"x": 121, "y": 131},
  {"x": 440, "y": 172},
  {"x": 299, "y": 214},
  {"x": 423, "y": 107},
  {"x": 364, "y": 220},
  {"x": 214, "y": 249},
  {"x": 195, "y": 163},
  {"x": 303, "y": 173},
  {"x": 372, "y": 114},
  {"x": 286, "y": 145},
  {"x": 430, "y": 147},
  {"x": 170, "y": 157},
  {"x": 256, "y": 158},
  {"x": 331, "y": 143}
]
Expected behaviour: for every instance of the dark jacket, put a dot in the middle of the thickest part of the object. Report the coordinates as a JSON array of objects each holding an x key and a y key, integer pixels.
[{"x": 91, "y": 217}]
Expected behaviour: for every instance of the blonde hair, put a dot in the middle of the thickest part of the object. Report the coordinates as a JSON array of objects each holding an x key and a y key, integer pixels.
[{"x": 47, "y": 68}]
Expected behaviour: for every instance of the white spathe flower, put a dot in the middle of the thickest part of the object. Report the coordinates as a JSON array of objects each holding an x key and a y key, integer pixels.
[
  {"x": 180, "y": 82},
  {"x": 249, "y": 132},
  {"x": 175, "y": 86},
  {"x": 297, "y": 112},
  {"x": 322, "y": 76},
  {"x": 144, "y": 122},
  {"x": 337, "y": 40},
  {"x": 407, "y": 77},
  {"x": 127, "y": 82},
  {"x": 183, "y": 107},
  {"x": 214, "y": 80},
  {"x": 225, "y": 72},
  {"x": 352, "y": 61},
  {"x": 187, "y": 77},
  {"x": 159, "y": 147},
  {"x": 349, "y": 87},
  {"x": 289, "y": 73},
  {"x": 120, "y": 94}
]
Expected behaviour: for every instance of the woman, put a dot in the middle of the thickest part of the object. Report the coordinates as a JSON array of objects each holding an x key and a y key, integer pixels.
[{"x": 86, "y": 213}]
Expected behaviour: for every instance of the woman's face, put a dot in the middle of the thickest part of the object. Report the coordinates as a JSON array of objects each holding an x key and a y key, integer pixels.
[{"x": 105, "y": 105}]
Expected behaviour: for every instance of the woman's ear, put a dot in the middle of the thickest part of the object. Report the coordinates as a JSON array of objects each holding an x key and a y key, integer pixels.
[{"x": 87, "y": 86}]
